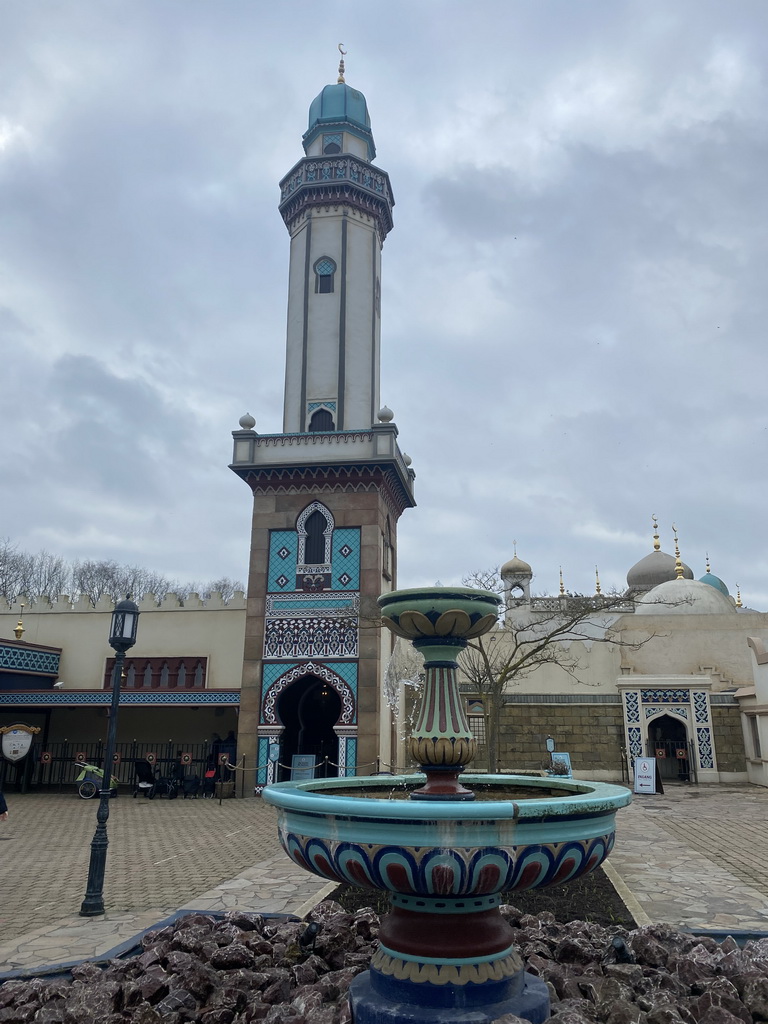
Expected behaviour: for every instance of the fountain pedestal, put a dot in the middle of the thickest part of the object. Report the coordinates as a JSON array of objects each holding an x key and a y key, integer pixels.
[
  {"x": 473, "y": 974},
  {"x": 446, "y": 954}
]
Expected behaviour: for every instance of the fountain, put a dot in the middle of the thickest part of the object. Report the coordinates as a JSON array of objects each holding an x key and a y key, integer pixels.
[{"x": 443, "y": 851}]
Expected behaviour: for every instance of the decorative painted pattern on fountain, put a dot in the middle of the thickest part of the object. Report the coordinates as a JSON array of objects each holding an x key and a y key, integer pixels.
[
  {"x": 430, "y": 871},
  {"x": 444, "y": 750},
  {"x": 421, "y": 972}
]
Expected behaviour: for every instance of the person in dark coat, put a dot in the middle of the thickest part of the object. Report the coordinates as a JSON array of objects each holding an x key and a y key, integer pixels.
[{"x": 3, "y": 808}]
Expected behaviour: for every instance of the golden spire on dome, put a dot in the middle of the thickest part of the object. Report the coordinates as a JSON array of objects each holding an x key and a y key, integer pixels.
[
  {"x": 562, "y": 585},
  {"x": 738, "y": 597},
  {"x": 19, "y": 627},
  {"x": 706, "y": 562},
  {"x": 340, "y": 79},
  {"x": 598, "y": 590},
  {"x": 656, "y": 543},
  {"x": 679, "y": 571}
]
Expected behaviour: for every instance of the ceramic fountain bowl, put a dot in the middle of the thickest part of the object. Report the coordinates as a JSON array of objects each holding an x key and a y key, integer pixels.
[
  {"x": 430, "y": 612},
  {"x": 441, "y": 850}
]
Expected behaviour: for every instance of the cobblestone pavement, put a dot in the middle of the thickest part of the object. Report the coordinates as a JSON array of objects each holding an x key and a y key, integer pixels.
[
  {"x": 163, "y": 855},
  {"x": 696, "y": 857}
]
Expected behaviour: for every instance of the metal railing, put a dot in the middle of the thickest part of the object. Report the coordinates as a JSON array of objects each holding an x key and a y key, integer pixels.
[{"x": 63, "y": 761}]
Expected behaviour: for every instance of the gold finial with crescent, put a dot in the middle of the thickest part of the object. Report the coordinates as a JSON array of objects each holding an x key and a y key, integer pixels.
[
  {"x": 656, "y": 544},
  {"x": 342, "y": 51},
  {"x": 679, "y": 571}
]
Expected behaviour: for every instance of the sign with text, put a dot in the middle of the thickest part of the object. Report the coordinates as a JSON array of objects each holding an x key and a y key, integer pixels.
[
  {"x": 302, "y": 767},
  {"x": 645, "y": 775},
  {"x": 17, "y": 741}
]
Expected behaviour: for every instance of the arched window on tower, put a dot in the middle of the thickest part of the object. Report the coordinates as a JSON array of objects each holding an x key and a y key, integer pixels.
[
  {"x": 332, "y": 143},
  {"x": 325, "y": 270},
  {"x": 314, "y": 527},
  {"x": 314, "y": 551},
  {"x": 321, "y": 421}
]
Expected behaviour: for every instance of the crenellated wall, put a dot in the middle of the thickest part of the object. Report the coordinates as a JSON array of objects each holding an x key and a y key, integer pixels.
[{"x": 213, "y": 629}]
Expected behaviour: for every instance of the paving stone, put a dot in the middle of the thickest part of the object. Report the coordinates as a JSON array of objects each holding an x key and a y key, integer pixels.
[{"x": 693, "y": 857}]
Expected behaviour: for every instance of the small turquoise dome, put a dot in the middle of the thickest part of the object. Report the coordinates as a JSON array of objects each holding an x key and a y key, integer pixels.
[
  {"x": 340, "y": 104},
  {"x": 716, "y": 582}
]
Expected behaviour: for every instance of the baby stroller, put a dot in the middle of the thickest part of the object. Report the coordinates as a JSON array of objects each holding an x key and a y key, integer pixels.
[
  {"x": 90, "y": 780},
  {"x": 190, "y": 787},
  {"x": 146, "y": 781},
  {"x": 170, "y": 784}
]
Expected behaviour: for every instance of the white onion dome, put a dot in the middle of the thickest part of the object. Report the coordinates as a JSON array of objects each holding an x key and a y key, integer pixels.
[
  {"x": 656, "y": 568},
  {"x": 515, "y": 567},
  {"x": 684, "y": 597}
]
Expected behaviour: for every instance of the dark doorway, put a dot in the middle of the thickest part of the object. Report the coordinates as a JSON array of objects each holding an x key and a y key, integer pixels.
[
  {"x": 309, "y": 709},
  {"x": 668, "y": 743}
]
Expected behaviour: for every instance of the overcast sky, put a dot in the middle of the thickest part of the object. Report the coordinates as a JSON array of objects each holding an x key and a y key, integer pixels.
[{"x": 574, "y": 296}]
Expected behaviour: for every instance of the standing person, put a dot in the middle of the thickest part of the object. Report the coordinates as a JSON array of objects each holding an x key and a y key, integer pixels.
[{"x": 3, "y": 808}]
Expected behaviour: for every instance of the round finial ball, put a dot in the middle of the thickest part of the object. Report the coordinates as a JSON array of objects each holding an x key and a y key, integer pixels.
[
  {"x": 385, "y": 414},
  {"x": 407, "y": 459},
  {"x": 247, "y": 422}
]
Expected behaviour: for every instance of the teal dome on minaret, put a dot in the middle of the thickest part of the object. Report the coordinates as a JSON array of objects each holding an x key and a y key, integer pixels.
[
  {"x": 339, "y": 102},
  {"x": 342, "y": 108}
]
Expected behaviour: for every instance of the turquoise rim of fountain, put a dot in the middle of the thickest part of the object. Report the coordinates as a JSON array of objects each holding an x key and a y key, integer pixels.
[{"x": 326, "y": 797}]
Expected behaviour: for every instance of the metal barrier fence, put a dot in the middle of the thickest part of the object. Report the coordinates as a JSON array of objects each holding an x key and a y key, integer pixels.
[{"x": 57, "y": 766}]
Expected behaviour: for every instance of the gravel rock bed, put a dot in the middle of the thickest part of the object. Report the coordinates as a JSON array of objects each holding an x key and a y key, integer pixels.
[{"x": 247, "y": 968}]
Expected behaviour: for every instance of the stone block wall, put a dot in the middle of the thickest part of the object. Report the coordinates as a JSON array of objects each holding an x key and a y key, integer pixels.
[
  {"x": 591, "y": 733},
  {"x": 729, "y": 739}
]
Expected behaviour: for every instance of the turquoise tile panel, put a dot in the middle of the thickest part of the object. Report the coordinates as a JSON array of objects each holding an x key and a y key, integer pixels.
[
  {"x": 22, "y": 659},
  {"x": 345, "y": 559},
  {"x": 283, "y": 549},
  {"x": 351, "y": 756},
  {"x": 348, "y": 672}
]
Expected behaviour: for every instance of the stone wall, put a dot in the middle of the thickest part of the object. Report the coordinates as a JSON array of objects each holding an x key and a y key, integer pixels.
[
  {"x": 591, "y": 733},
  {"x": 729, "y": 739}
]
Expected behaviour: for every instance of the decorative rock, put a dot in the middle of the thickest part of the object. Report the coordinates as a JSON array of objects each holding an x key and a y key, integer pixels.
[
  {"x": 754, "y": 994},
  {"x": 248, "y": 970},
  {"x": 233, "y": 956}
]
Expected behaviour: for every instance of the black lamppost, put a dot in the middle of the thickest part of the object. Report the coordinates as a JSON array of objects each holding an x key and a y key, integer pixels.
[{"x": 122, "y": 636}]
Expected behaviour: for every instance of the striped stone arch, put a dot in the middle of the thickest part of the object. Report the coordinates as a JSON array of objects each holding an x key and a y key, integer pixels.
[{"x": 310, "y": 668}]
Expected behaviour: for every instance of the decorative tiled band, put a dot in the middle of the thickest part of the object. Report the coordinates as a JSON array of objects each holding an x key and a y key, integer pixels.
[
  {"x": 427, "y": 970},
  {"x": 435, "y": 871}
]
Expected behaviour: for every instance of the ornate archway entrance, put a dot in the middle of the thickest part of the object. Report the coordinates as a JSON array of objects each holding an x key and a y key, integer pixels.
[
  {"x": 308, "y": 710},
  {"x": 668, "y": 742}
]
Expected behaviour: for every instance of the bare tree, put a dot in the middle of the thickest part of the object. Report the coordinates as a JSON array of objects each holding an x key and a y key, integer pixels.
[
  {"x": 33, "y": 576},
  {"x": 224, "y": 586},
  {"x": 47, "y": 575},
  {"x": 12, "y": 570},
  {"x": 531, "y": 638}
]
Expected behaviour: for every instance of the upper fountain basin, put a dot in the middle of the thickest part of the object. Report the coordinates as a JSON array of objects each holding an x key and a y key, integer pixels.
[{"x": 426, "y": 612}]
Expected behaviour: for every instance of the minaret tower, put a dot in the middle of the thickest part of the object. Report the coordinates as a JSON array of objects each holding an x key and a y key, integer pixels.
[{"x": 329, "y": 490}]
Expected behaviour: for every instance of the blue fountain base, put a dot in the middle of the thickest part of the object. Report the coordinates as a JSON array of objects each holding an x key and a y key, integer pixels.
[{"x": 375, "y": 1000}]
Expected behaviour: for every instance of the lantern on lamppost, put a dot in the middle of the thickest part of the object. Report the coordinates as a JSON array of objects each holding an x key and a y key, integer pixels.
[{"x": 122, "y": 636}]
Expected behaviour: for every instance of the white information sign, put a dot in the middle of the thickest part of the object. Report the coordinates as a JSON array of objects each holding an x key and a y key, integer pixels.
[
  {"x": 645, "y": 774},
  {"x": 17, "y": 741}
]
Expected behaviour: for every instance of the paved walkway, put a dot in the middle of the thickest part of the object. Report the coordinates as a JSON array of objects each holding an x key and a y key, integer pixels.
[{"x": 696, "y": 857}]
